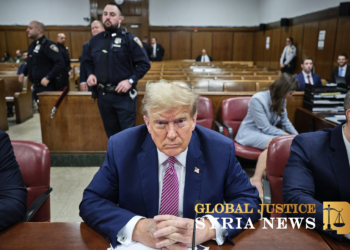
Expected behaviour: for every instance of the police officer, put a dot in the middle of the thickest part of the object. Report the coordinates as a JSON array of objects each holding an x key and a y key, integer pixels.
[
  {"x": 44, "y": 60},
  {"x": 288, "y": 57},
  {"x": 63, "y": 79},
  {"x": 96, "y": 27},
  {"x": 115, "y": 61}
]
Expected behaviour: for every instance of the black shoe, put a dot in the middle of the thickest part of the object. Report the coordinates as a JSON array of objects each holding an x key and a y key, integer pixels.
[{"x": 10, "y": 114}]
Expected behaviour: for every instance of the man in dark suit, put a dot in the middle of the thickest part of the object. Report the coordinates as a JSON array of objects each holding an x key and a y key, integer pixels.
[
  {"x": 150, "y": 184},
  {"x": 318, "y": 169},
  {"x": 147, "y": 47},
  {"x": 306, "y": 76},
  {"x": 96, "y": 27},
  {"x": 342, "y": 70},
  {"x": 157, "y": 51},
  {"x": 64, "y": 77},
  {"x": 13, "y": 192},
  {"x": 204, "y": 57}
]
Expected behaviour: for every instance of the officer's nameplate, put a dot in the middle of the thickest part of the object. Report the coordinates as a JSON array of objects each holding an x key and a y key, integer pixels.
[
  {"x": 118, "y": 40},
  {"x": 37, "y": 48}
]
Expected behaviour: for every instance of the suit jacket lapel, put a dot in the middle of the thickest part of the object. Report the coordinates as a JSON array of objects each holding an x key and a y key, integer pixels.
[
  {"x": 193, "y": 180},
  {"x": 148, "y": 166},
  {"x": 340, "y": 163}
]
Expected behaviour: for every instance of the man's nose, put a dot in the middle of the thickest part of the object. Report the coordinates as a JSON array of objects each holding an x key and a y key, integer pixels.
[{"x": 171, "y": 131}]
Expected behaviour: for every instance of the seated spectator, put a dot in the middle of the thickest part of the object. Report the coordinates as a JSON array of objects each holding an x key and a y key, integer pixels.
[
  {"x": 204, "y": 57},
  {"x": 306, "y": 76},
  {"x": 21, "y": 67},
  {"x": 7, "y": 58},
  {"x": 265, "y": 110},
  {"x": 318, "y": 170},
  {"x": 171, "y": 163},
  {"x": 342, "y": 70},
  {"x": 13, "y": 192},
  {"x": 18, "y": 58}
]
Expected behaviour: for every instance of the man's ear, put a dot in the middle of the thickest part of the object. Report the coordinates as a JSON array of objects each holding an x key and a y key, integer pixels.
[
  {"x": 146, "y": 121},
  {"x": 194, "y": 122},
  {"x": 347, "y": 114}
]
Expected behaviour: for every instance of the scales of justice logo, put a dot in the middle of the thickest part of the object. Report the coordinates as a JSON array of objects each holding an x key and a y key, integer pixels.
[{"x": 336, "y": 217}]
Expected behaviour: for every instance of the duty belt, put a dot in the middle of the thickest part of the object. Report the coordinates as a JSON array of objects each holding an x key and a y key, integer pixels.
[{"x": 108, "y": 88}]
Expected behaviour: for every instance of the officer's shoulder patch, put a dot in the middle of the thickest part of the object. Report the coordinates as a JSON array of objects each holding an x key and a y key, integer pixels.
[
  {"x": 137, "y": 40},
  {"x": 54, "y": 47}
]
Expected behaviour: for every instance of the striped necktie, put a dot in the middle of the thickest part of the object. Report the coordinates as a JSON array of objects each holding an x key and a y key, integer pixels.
[{"x": 170, "y": 192}]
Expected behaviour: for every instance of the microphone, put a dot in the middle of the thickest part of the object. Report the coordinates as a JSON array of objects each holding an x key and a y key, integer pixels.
[{"x": 194, "y": 227}]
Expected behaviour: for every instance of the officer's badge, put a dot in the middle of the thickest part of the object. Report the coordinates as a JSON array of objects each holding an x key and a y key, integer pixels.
[
  {"x": 54, "y": 47},
  {"x": 37, "y": 48},
  {"x": 118, "y": 40},
  {"x": 137, "y": 40}
]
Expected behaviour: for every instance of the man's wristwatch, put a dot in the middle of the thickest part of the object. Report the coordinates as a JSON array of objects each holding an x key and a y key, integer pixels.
[
  {"x": 131, "y": 81},
  {"x": 47, "y": 77}
]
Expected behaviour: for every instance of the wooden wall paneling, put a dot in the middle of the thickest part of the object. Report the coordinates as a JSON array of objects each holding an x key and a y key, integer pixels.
[
  {"x": 267, "y": 52},
  {"x": 243, "y": 45},
  {"x": 144, "y": 20},
  {"x": 310, "y": 39},
  {"x": 259, "y": 46},
  {"x": 275, "y": 47},
  {"x": 78, "y": 38},
  {"x": 222, "y": 46},
  {"x": 180, "y": 45},
  {"x": 200, "y": 41},
  {"x": 16, "y": 40},
  {"x": 3, "y": 44},
  {"x": 342, "y": 39},
  {"x": 163, "y": 38},
  {"x": 324, "y": 57},
  {"x": 297, "y": 34},
  {"x": 53, "y": 37}
]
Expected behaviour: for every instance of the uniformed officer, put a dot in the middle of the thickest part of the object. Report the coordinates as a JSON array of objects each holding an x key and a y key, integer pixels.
[
  {"x": 288, "y": 56},
  {"x": 63, "y": 79},
  {"x": 115, "y": 61},
  {"x": 96, "y": 27},
  {"x": 44, "y": 60}
]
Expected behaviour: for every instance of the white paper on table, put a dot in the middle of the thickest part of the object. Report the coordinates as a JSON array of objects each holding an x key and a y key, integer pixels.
[{"x": 140, "y": 246}]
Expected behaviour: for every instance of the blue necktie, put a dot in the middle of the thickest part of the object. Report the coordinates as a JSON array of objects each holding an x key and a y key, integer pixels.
[{"x": 341, "y": 72}]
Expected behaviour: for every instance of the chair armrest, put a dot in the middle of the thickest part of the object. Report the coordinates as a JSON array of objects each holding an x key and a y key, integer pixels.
[
  {"x": 230, "y": 130},
  {"x": 36, "y": 205},
  {"x": 221, "y": 128}
]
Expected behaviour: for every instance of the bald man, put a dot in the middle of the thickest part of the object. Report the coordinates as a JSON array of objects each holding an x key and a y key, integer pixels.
[
  {"x": 45, "y": 63},
  {"x": 96, "y": 27},
  {"x": 64, "y": 78},
  {"x": 204, "y": 57}
]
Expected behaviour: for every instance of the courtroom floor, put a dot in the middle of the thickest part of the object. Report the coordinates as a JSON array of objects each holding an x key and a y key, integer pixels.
[{"x": 68, "y": 183}]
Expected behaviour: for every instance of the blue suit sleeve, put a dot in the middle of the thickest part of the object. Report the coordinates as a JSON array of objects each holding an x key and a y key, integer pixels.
[
  {"x": 13, "y": 193},
  {"x": 298, "y": 182},
  {"x": 99, "y": 207},
  {"x": 88, "y": 61},
  {"x": 238, "y": 190},
  {"x": 318, "y": 81}
]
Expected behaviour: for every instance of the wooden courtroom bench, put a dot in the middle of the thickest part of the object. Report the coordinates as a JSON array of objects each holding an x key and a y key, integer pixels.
[
  {"x": 8, "y": 73},
  {"x": 3, "y": 109},
  {"x": 19, "y": 96},
  {"x": 261, "y": 85},
  {"x": 239, "y": 86},
  {"x": 79, "y": 112}
]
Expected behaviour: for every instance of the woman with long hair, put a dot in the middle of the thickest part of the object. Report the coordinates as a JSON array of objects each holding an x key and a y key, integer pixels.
[{"x": 266, "y": 110}]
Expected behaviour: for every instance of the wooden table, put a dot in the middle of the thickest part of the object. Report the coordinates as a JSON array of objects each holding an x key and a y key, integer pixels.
[
  {"x": 56, "y": 235},
  {"x": 308, "y": 121}
]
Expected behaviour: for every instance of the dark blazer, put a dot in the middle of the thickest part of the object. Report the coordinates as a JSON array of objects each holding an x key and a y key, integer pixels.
[
  {"x": 199, "y": 58},
  {"x": 13, "y": 192},
  {"x": 127, "y": 182},
  {"x": 317, "y": 170},
  {"x": 300, "y": 77},
  {"x": 148, "y": 49},
  {"x": 335, "y": 73},
  {"x": 21, "y": 68},
  {"x": 83, "y": 73},
  {"x": 159, "y": 53}
]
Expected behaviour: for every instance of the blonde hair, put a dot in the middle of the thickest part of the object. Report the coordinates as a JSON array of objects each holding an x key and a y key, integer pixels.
[{"x": 163, "y": 95}]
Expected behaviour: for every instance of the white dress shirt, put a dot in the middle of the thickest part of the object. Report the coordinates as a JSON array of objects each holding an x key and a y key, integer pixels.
[
  {"x": 344, "y": 70},
  {"x": 154, "y": 50},
  {"x": 307, "y": 80},
  {"x": 205, "y": 58},
  {"x": 347, "y": 146},
  {"x": 125, "y": 234},
  {"x": 289, "y": 52}
]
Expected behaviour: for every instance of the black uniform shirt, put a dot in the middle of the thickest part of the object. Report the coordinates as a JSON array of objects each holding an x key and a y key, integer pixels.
[
  {"x": 44, "y": 60},
  {"x": 119, "y": 64},
  {"x": 65, "y": 54}
]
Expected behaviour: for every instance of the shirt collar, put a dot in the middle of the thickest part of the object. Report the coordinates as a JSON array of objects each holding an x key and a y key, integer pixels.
[
  {"x": 306, "y": 74},
  {"x": 181, "y": 158},
  {"x": 344, "y": 67}
]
